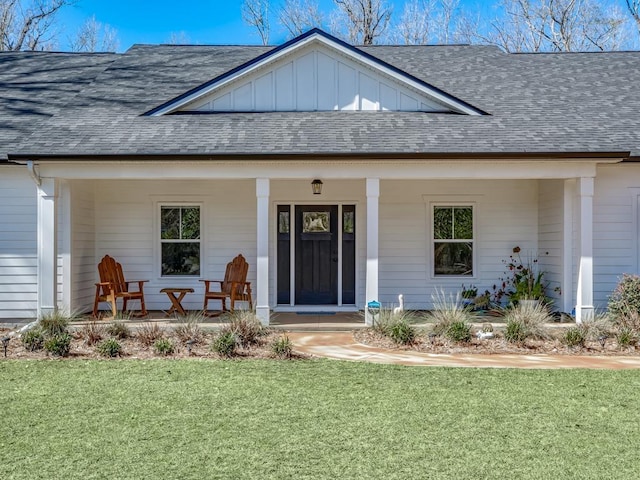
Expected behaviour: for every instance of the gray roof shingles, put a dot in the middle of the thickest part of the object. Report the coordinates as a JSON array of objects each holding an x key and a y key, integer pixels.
[{"x": 583, "y": 102}]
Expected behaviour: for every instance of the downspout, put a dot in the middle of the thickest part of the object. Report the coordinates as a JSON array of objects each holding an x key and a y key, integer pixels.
[{"x": 31, "y": 168}]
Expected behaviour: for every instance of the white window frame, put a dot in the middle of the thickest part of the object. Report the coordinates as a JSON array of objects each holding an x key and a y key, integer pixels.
[
  {"x": 473, "y": 241},
  {"x": 159, "y": 241}
]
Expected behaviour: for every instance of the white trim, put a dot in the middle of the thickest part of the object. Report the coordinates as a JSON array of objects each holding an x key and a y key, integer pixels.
[
  {"x": 567, "y": 244},
  {"x": 163, "y": 202},
  {"x": 373, "y": 227},
  {"x": 584, "y": 303},
  {"x": 67, "y": 234},
  {"x": 47, "y": 247},
  {"x": 317, "y": 38},
  {"x": 262, "y": 249}
]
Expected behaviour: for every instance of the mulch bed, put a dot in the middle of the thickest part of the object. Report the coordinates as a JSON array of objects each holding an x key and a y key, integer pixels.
[
  {"x": 497, "y": 345},
  {"x": 132, "y": 348}
]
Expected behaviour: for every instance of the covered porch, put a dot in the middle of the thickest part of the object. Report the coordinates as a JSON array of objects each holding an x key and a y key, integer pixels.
[{"x": 542, "y": 205}]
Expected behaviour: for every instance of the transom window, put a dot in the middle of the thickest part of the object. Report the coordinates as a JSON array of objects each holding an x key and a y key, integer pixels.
[
  {"x": 180, "y": 240},
  {"x": 453, "y": 240}
]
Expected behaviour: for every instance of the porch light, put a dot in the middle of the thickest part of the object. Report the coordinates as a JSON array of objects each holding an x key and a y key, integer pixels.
[{"x": 316, "y": 186}]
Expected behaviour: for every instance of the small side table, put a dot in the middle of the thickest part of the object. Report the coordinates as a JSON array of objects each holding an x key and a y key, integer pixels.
[{"x": 176, "y": 302}]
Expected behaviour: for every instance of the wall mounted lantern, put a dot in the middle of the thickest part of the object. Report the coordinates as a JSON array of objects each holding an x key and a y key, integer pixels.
[{"x": 316, "y": 186}]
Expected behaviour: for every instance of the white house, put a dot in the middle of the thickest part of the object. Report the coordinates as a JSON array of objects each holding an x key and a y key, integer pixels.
[{"x": 102, "y": 153}]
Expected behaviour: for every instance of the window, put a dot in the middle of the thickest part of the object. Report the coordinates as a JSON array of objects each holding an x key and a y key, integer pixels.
[
  {"x": 453, "y": 240},
  {"x": 180, "y": 240}
]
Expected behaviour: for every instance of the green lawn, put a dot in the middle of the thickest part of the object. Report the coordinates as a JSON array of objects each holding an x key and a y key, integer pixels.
[{"x": 313, "y": 419}]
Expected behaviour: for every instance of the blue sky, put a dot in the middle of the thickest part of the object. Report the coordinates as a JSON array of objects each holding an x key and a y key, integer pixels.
[{"x": 203, "y": 21}]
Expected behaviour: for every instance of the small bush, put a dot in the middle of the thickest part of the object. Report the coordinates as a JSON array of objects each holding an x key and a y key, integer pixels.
[
  {"x": 33, "y": 339},
  {"x": 246, "y": 327},
  {"x": 119, "y": 330},
  {"x": 402, "y": 333},
  {"x": 516, "y": 331},
  {"x": 189, "y": 329},
  {"x": 54, "y": 323},
  {"x": 58, "y": 344},
  {"x": 458, "y": 331},
  {"x": 626, "y": 296},
  {"x": 148, "y": 333},
  {"x": 282, "y": 347},
  {"x": 575, "y": 337},
  {"x": 526, "y": 321},
  {"x": 448, "y": 310},
  {"x": 163, "y": 346},
  {"x": 626, "y": 338},
  {"x": 225, "y": 344},
  {"x": 109, "y": 348},
  {"x": 93, "y": 333}
]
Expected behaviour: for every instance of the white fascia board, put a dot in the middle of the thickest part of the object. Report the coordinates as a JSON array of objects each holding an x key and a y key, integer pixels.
[{"x": 363, "y": 59}]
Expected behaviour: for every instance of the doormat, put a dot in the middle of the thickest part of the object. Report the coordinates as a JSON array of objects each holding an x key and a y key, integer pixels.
[{"x": 315, "y": 313}]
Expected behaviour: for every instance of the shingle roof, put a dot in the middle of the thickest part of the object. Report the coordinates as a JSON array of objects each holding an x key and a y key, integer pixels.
[{"x": 583, "y": 102}]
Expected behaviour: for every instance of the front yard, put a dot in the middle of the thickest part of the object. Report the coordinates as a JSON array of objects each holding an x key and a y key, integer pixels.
[{"x": 312, "y": 419}]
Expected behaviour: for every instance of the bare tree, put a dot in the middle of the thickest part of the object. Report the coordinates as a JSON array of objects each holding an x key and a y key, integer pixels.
[
  {"x": 447, "y": 30},
  {"x": 416, "y": 23},
  {"x": 93, "y": 36},
  {"x": 298, "y": 16},
  {"x": 634, "y": 9},
  {"x": 364, "y": 20},
  {"x": 28, "y": 24},
  {"x": 178, "y": 38},
  {"x": 255, "y": 13},
  {"x": 556, "y": 26}
]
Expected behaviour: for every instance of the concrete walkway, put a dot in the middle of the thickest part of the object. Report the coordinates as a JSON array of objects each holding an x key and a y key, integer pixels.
[{"x": 342, "y": 346}]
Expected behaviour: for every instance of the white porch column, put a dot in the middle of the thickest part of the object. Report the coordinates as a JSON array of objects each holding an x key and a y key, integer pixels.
[
  {"x": 584, "y": 307},
  {"x": 567, "y": 245},
  {"x": 373, "y": 196},
  {"x": 262, "y": 267},
  {"x": 47, "y": 247}
]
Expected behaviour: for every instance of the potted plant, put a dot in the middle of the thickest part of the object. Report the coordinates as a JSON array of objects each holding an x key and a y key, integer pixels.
[
  {"x": 469, "y": 294},
  {"x": 524, "y": 280}
]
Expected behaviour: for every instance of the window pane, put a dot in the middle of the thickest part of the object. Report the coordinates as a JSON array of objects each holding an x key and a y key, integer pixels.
[
  {"x": 463, "y": 223},
  {"x": 442, "y": 223},
  {"x": 453, "y": 258},
  {"x": 180, "y": 259},
  {"x": 190, "y": 223},
  {"x": 348, "y": 222},
  {"x": 170, "y": 223}
]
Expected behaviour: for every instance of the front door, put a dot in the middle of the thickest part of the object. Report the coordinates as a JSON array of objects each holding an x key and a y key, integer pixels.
[{"x": 316, "y": 254}]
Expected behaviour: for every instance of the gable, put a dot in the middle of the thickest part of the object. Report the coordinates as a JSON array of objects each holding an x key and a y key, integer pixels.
[{"x": 315, "y": 72}]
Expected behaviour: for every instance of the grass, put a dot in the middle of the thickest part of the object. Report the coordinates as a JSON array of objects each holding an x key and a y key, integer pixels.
[{"x": 313, "y": 420}]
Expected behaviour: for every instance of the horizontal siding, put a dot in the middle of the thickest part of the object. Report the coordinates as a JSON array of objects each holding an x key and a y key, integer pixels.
[
  {"x": 83, "y": 246},
  {"x": 550, "y": 236},
  {"x": 18, "y": 244}
]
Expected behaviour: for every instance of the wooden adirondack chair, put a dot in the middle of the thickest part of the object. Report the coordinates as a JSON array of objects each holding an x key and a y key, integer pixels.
[
  {"x": 113, "y": 286},
  {"x": 234, "y": 286}
]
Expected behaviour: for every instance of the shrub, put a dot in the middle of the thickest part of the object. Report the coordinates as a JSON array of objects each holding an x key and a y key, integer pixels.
[
  {"x": 246, "y": 327},
  {"x": 282, "y": 347},
  {"x": 33, "y": 339},
  {"x": 54, "y": 323},
  {"x": 225, "y": 344},
  {"x": 402, "y": 333},
  {"x": 163, "y": 346},
  {"x": 575, "y": 336},
  {"x": 93, "y": 332},
  {"x": 625, "y": 298},
  {"x": 110, "y": 348},
  {"x": 626, "y": 338},
  {"x": 525, "y": 321},
  {"x": 458, "y": 331},
  {"x": 119, "y": 330},
  {"x": 448, "y": 310},
  {"x": 148, "y": 333},
  {"x": 58, "y": 344},
  {"x": 189, "y": 329},
  {"x": 516, "y": 331}
]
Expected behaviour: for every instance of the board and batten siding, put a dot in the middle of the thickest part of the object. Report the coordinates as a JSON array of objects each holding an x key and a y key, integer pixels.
[
  {"x": 506, "y": 215},
  {"x": 18, "y": 244},
  {"x": 127, "y": 228},
  {"x": 315, "y": 79}
]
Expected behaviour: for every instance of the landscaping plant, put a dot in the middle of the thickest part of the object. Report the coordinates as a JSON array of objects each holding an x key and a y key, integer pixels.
[
  {"x": 402, "y": 332},
  {"x": 163, "y": 346},
  {"x": 93, "y": 332},
  {"x": 189, "y": 329},
  {"x": 225, "y": 344},
  {"x": 119, "y": 330},
  {"x": 33, "y": 339},
  {"x": 448, "y": 310},
  {"x": 58, "y": 344},
  {"x": 109, "y": 348},
  {"x": 282, "y": 347},
  {"x": 526, "y": 321},
  {"x": 625, "y": 299},
  {"x": 148, "y": 333},
  {"x": 575, "y": 336},
  {"x": 247, "y": 328}
]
